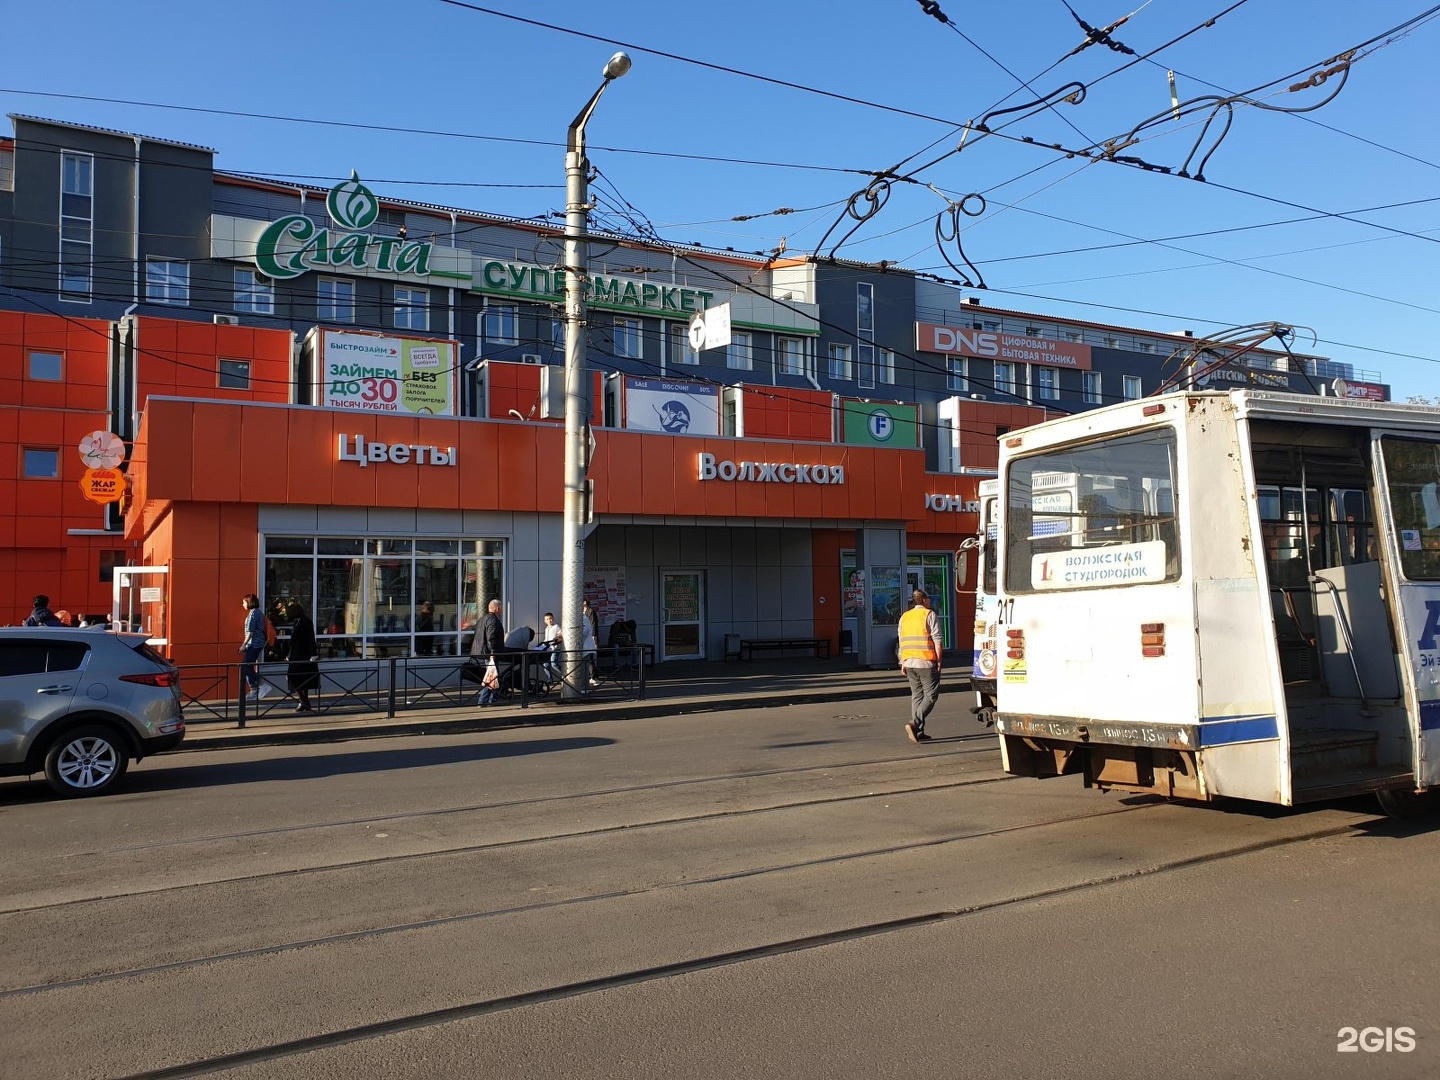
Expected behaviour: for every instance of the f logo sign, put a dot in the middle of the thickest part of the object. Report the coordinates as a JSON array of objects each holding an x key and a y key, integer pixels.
[{"x": 882, "y": 426}]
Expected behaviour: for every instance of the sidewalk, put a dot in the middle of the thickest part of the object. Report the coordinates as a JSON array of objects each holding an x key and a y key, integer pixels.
[{"x": 672, "y": 689}]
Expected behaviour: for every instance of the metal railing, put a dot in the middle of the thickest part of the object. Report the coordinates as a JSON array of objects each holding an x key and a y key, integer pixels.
[{"x": 218, "y": 693}]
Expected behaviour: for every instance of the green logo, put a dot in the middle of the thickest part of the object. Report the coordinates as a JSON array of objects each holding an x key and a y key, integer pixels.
[
  {"x": 294, "y": 245},
  {"x": 352, "y": 205}
]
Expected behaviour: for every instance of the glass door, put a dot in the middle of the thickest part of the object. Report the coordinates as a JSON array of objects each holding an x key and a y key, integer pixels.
[
  {"x": 138, "y": 600},
  {"x": 682, "y": 614}
]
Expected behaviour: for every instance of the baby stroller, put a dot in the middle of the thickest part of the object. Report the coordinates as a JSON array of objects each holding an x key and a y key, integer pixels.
[{"x": 518, "y": 662}]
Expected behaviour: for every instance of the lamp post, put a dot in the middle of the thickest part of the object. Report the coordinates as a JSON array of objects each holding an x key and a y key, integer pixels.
[{"x": 577, "y": 282}]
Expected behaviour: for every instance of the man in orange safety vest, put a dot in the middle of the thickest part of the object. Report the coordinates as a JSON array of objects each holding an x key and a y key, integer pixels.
[{"x": 920, "y": 661}]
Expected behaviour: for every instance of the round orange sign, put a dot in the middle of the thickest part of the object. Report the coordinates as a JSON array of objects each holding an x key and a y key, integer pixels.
[{"x": 103, "y": 485}]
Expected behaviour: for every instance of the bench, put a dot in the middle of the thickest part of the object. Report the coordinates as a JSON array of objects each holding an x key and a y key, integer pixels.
[{"x": 749, "y": 646}]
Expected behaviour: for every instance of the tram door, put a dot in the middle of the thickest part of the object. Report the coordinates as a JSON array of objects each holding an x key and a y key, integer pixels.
[{"x": 682, "y": 614}]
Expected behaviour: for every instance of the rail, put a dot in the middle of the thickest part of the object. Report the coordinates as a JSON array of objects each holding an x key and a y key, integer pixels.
[{"x": 215, "y": 693}]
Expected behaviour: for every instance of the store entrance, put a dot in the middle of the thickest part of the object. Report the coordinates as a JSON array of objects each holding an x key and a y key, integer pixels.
[{"x": 682, "y": 614}]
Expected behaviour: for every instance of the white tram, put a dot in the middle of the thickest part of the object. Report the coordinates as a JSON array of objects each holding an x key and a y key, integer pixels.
[{"x": 1224, "y": 594}]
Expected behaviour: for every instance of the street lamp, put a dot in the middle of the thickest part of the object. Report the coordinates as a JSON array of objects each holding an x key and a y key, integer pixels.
[{"x": 577, "y": 281}]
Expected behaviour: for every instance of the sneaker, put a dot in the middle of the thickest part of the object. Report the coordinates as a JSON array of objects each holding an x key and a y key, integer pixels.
[
  {"x": 264, "y": 691},
  {"x": 911, "y": 733},
  {"x": 920, "y": 736}
]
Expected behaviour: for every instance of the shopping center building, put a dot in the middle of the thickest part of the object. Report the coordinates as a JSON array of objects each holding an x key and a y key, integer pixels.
[{"x": 354, "y": 403}]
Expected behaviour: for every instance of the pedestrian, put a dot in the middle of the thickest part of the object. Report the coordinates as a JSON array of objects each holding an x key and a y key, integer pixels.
[
  {"x": 252, "y": 645},
  {"x": 488, "y": 645},
  {"x": 303, "y": 672},
  {"x": 40, "y": 614},
  {"x": 424, "y": 627},
  {"x": 589, "y": 641},
  {"x": 549, "y": 643},
  {"x": 920, "y": 661}
]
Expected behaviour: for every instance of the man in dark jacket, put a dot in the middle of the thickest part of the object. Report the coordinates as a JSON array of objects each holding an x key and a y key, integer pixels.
[
  {"x": 488, "y": 645},
  {"x": 42, "y": 615}
]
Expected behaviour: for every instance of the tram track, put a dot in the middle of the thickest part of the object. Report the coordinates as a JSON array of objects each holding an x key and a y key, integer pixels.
[
  {"x": 987, "y": 739},
  {"x": 519, "y": 842},
  {"x": 480, "y": 1008},
  {"x": 569, "y": 902}
]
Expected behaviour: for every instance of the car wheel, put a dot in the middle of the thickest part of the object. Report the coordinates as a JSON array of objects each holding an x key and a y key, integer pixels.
[{"x": 86, "y": 761}]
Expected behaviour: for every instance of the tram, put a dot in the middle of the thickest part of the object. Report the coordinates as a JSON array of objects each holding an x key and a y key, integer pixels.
[{"x": 1224, "y": 594}]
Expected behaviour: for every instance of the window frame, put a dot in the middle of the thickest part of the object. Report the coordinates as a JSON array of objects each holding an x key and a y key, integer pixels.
[
  {"x": 410, "y": 302},
  {"x": 31, "y": 355},
  {"x": 626, "y": 333},
  {"x": 500, "y": 323},
  {"x": 53, "y": 452},
  {"x": 241, "y": 378},
  {"x": 791, "y": 356},
  {"x": 681, "y": 351},
  {"x": 167, "y": 281},
  {"x": 740, "y": 353},
  {"x": 839, "y": 365},
  {"x": 75, "y": 271},
  {"x": 251, "y": 288},
  {"x": 329, "y": 301}
]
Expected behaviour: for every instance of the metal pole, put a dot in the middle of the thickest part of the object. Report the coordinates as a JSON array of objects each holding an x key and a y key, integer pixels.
[{"x": 577, "y": 255}]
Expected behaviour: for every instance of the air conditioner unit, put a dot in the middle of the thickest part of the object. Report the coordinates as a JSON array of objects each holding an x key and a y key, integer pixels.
[
  {"x": 530, "y": 358},
  {"x": 227, "y": 320}
]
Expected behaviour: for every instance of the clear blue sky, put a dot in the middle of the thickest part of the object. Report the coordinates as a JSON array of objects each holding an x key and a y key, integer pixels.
[{"x": 477, "y": 103}]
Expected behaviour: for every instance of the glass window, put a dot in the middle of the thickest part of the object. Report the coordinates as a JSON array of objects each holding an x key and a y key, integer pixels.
[
  {"x": 1004, "y": 378},
  {"x": 412, "y": 308},
  {"x": 627, "y": 338},
  {"x": 110, "y": 559},
  {"x": 839, "y": 361},
  {"x": 254, "y": 292},
  {"x": 167, "y": 281},
  {"x": 385, "y": 597},
  {"x": 1047, "y": 383},
  {"x": 680, "y": 349},
  {"x": 1092, "y": 388},
  {"x": 1131, "y": 387},
  {"x": 955, "y": 374},
  {"x": 334, "y": 300},
  {"x": 887, "y": 366},
  {"x": 47, "y": 366},
  {"x": 864, "y": 365},
  {"x": 1118, "y": 493},
  {"x": 865, "y": 309},
  {"x": 234, "y": 375},
  {"x": 77, "y": 225},
  {"x": 792, "y": 355},
  {"x": 1412, "y": 478},
  {"x": 740, "y": 355},
  {"x": 40, "y": 463},
  {"x": 500, "y": 324}
]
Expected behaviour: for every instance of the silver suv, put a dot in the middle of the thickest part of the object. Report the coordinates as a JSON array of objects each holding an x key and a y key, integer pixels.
[{"x": 80, "y": 704}]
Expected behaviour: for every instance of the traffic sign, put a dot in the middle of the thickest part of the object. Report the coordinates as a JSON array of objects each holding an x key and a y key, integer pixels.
[{"x": 103, "y": 485}]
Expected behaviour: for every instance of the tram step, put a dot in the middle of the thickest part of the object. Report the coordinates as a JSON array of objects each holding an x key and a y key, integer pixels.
[
  {"x": 1358, "y": 782},
  {"x": 1332, "y": 751}
]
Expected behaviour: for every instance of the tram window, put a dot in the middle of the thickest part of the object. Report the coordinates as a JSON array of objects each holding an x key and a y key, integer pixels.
[
  {"x": 1116, "y": 494},
  {"x": 1412, "y": 469}
]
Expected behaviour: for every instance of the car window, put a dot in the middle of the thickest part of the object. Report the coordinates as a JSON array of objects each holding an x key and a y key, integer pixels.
[
  {"x": 37, "y": 657},
  {"x": 149, "y": 651}
]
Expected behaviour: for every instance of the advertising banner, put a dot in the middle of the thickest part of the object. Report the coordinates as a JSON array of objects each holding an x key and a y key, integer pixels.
[
  {"x": 371, "y": 373},
  {"x": 1001, "y": 345},
  {"x": 870, "y": 423},
  {"x": 675, "y": 408}
]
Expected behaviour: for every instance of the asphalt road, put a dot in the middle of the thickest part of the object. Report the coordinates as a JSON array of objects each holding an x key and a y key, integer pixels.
[{"x": 779, "y": 892}]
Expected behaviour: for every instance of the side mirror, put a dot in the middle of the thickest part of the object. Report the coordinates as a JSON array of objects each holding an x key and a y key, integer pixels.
[{"x": 962, "y": 564}]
